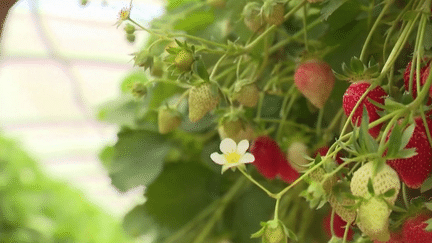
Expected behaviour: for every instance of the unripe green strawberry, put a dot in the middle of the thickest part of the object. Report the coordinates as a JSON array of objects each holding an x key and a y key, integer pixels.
[
  {"x": 318, "y": 175},
  {"x": 236, "y": 130},
  {"x": 384, "y": 180},
  {"x": 274, "y": 234},
  {"x": 168, "y": 120},
  {"x": 296, "y": 156},
  {"x": 348, "y": 215},
  {"x": 201, "y": 100},
  {"x": 252, "y": 17},
  {"x": 373, "y": 219},
  {"x": 130, "y": 38},
  {"x": 130, "y": 29},
  {"x": 138, "y": 90},
  {"x": 183, "y": 60},
  {"x": 273, "y": 231},
  {"x": 276, "y": 13},
  {"x": 248, "y": 95}
]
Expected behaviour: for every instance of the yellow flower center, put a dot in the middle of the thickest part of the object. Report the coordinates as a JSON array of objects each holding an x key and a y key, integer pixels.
[
  {"x": 124, "y": 14},
  {"x": 232, "y": 157}
]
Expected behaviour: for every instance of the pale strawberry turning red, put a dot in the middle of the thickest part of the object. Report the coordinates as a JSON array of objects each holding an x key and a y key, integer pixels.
[
  {"x": 413, "y": 230},
  {"x": 415, "y": 170},
  {"x": 315, "y": 80},
  {"x": 270, "y": 161},
  {"x": 352, "y": 96}
]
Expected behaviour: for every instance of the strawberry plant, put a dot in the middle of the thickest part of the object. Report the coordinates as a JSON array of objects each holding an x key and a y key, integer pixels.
[{"x": 252, "y": 121}]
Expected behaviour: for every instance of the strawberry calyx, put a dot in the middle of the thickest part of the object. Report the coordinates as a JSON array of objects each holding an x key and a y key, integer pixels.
[{"x": 358, "y": 70}]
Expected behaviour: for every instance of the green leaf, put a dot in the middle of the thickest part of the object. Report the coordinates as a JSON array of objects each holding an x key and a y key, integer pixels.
[
  {"x": 428, "y": 206},
  {"x": 173, "y": 4},
  {"x": 195, "y": 21},
  {"x": 130, "y": 79},
  {"x": 331, "y": 6},
  {"x": 406, "y": 136},
  {"x": 138, "y": 159},
  {"x": 179, "y": 193},
  {"x": 370, "y": 187},
  {"x": 106, "y": 156},
  {"x": 367, "y": 142},
  {"x": 200, "y": 69},
  {"x": 357, "y": 66},
  {"x": 427, "y": 185},
  {"x": 406, "y": 153},
  {"x": 389, "y": 104},
  {"x": 160, "y": 92},
  {"x": 429, "y": 226},
  {"x": 389, "y": 193},
  {"x": 394, "y": 142},
  {"x": 137, "y": 221},
  {"x": 122, "y": 111}
]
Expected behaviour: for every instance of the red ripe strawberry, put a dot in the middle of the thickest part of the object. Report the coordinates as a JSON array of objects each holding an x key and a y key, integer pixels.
[
  {"x": 413, "y": 230},
  {"x": 286, "y": 172},
  {"x": 315, "y": 80},
  {"x": 424, "y": 72},
  {"x": 270, "y": 160},
  {"x": 338, "y": 227},
  {"x": 266, "y": 152},
  {"x": 352, "y": 96},
  {"x": 415, "y": 170},
  {"x": 323, "y": 151}
]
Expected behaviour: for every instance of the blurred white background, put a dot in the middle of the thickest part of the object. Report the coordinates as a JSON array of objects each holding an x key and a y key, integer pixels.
[{"x": 59, "y": 61}]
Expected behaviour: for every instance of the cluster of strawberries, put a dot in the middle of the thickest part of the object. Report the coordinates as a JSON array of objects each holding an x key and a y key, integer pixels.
[{"x": 315, "y": 80}]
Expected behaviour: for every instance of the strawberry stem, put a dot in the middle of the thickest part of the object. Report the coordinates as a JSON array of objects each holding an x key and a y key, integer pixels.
[
  {"x": 305, "y": 26},
  {"x": 272, "y": 195},
  {"x": 372, "y": 31}
]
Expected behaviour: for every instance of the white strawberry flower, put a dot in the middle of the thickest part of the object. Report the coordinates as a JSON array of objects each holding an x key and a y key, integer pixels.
[{"x": 233, "y": 155}]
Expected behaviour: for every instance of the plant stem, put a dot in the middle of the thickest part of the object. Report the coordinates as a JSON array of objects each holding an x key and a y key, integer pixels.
[
  {"x": 251, "y": 45},
  {"x": 374, "y": 27},
  {"x": 285, "y": 115},
  {"x": 398, "y": 47},
  {"x": 304, "y": 27},
  {"x": 404, "y": 195},
  {"x": 282, "y": 43},
  {"x": 181, "y": 98},
  {"x": 332, "y": 222},
  {"x": 276, "y": 212},
  {"x": 257, "y": 183},
  {"x": 216, "y": 66},
  {"x": 346, "y": 232},
  {"x": 319, "y": 122}
]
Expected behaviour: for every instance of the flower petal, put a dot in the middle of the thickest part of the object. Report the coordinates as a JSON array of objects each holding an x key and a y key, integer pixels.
[
  {"x": 227, "y": 166},
  {"x": 218, "y": 158},
  {"x": 228, "y": 146},
  {"x": 247, "y": 158},
  {"x": 242, "y": 146}
]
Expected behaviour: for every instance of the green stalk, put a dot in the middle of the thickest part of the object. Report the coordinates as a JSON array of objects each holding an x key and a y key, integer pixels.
[
  {"x": 374, "y": 27},
  {"x": 270, "y": 194},
  {"x": 251, "y": 45}
]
